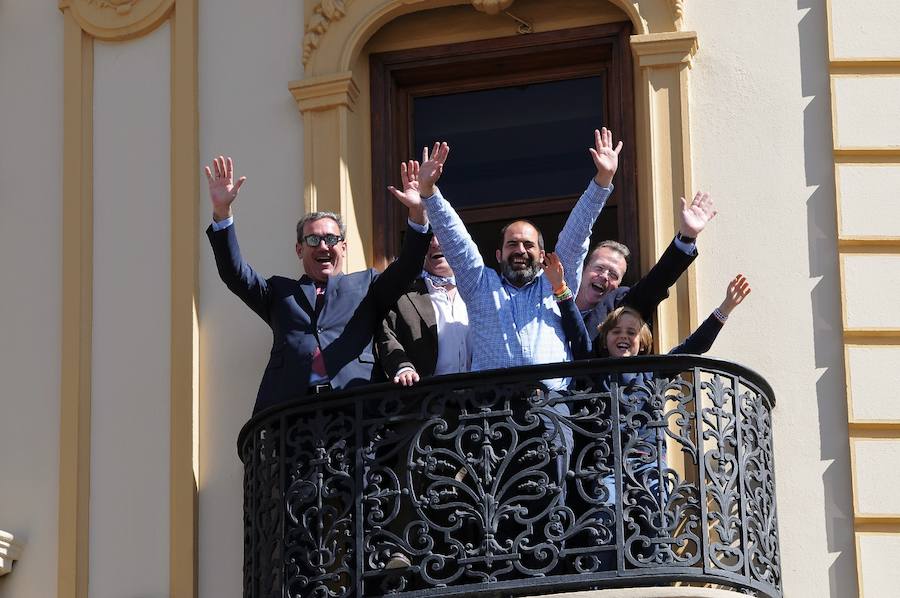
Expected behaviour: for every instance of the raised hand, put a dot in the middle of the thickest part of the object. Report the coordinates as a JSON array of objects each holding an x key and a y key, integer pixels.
[
  {"x": 554, "y": 271},
  {"x": 606, "y": 159},
  {"x": 222, "y": 188},
  {"x": 409, "y": 175},
  {"x": 432, "y": 167},
  {"x": 737, "y": 290},
  {"x": 696, "y": 215}
]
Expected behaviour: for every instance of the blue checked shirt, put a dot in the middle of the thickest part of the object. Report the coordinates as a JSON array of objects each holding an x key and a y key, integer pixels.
[{"x": 510, "y": 326}]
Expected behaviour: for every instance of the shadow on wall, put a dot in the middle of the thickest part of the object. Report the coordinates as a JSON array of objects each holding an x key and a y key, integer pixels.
[{"x": 825, "y": 296}]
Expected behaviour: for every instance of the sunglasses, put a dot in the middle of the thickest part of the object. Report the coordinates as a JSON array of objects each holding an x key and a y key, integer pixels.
[{"x": 314, "y": 240}]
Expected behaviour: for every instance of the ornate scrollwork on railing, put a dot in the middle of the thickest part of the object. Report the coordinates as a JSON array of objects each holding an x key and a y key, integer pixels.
[{"x": 646, "y": 471}]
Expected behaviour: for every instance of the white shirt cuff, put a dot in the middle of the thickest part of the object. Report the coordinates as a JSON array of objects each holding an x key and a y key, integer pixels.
[{"x": 222, "y": 224}]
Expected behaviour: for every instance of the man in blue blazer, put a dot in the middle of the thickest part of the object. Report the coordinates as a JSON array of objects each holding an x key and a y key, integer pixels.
[
  {"x": 599, "y": 292},
  {"x": 322, "y": 323}
]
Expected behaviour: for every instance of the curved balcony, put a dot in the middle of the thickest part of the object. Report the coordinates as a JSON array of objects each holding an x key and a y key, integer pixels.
[{"x": 487, "y": 483}]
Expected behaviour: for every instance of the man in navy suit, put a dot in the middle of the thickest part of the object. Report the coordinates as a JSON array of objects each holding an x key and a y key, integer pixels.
[
  {"x": 599, "y": 292},
  {"x": 322, "y": 323}
]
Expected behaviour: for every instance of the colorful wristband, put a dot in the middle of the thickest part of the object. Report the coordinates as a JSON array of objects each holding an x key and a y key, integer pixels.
[{"x": 564, "y": 295}]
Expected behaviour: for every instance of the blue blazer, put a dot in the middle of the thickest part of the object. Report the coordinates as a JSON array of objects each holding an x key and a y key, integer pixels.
[
  {"x": 647, "y": 294},
  {"x": 354, "y": 306}
]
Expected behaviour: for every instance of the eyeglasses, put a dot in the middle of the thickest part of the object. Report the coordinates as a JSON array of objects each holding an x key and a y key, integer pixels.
[
  {"x": 610, "y": 273},
  {"x": 330, "y": 240}
]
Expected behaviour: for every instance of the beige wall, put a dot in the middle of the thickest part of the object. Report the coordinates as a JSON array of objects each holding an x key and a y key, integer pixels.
[
  {"x": 131, "y": 335},
  {"x": 761, "y": 143},
  {"x": 31, "y": 37},
  {"x": 761, "y": 134},
  {"x": 248, "y": 53}
]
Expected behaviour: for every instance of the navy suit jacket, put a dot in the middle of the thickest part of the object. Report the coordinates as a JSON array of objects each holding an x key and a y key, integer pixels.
[
  {"x": 354, "y": 306},
  {"x": 647, "y": 294}
]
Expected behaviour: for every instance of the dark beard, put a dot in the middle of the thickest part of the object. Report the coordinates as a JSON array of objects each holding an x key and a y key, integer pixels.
[{"x": 519, "y": 278}]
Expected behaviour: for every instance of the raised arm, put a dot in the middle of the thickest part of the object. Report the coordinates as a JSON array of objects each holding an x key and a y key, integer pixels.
[
  {"x": 572, "y": 322},
  {"x": 458, "y": 247},
  {"x": 222, "y": 188},
  {"x": 395, "y": 279},
  {"x": 573, "y": 241},
  {"x": 737, "y": 290},
  {"x": 240, "y": 278},
  {"x": 653, "y": 288},
  {"x": 701, "y": 340}
]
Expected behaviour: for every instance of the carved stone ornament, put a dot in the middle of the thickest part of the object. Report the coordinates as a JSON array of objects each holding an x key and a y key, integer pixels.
[
  {"x": 10, "y": 551},
  {"x": 118, "y": 19},
  {"x": 492, "y": 7},
  {"x": 324, "y": 14},
  {"x": 678, "y": 8},
  {"x": 122, "y": 7}
]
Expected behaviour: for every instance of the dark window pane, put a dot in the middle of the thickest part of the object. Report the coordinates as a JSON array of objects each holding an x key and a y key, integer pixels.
[{"x": 513, "y": 143}]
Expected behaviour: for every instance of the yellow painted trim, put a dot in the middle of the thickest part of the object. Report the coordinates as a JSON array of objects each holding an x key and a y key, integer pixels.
[
  {"x": 833, "y": 100},
  {"x": 872, "y": 336},
  {"x": 829, "y": 31},
  {"x": 865, "y": 66},
  {"x": 866, "y": 154},
  {"x": 106, "y": 23},
  {"x": 664, "y": 49},
  {"x": 77, "y": 313},
  {"x": 886, "y": 157},
  {"x": 854, "y": 495},
  {"x": 185, "y": 336},
  {"x": 839, "y": 206},
  {"x": 75, "y": 464},
  {"x": 869, "y": 245},
  {"x": 877, "y": 527},
  {"x": 324, "y": 93},
  {"x": 888, "y": 429},
  {"x": 843, "y": 290}
]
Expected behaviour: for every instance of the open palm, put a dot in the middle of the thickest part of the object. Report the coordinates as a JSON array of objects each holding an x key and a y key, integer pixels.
[
  {"x": 419, "y": 179},
  {"x": 697, "y": 214},
  {"x": 605, "y": 156},
  {"x": 222, "y": 188},
  {"x": 409, "y": 176}
]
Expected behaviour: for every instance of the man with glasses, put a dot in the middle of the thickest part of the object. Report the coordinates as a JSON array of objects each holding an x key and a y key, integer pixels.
[
  {"x": 322, "y": 323},
  {"x": 599, "y": 292}
]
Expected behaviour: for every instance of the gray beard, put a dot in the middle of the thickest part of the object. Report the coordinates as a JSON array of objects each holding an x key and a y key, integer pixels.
[{"x": 519, "y": 278}]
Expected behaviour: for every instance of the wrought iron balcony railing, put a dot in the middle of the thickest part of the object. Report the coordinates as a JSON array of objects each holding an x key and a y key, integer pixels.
[{"x": 649, "y": 471}]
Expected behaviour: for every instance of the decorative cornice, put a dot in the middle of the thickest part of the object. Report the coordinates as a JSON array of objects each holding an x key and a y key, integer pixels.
[
  {"x": 116, "y": 20},
  {"x": 492, "y": 7},
  {"x": 322, "y": 93},
  {"x": 10, "y": 551},
  {"x": 324, "y": 14},
  {"x": 663, "y": 49},
  {"x": 678, "y": 9}
]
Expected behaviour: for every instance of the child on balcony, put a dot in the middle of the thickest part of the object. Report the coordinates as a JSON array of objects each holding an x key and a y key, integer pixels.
[
  {"x": 625, "y": 334},
  {"x": 650, "y": 503}
]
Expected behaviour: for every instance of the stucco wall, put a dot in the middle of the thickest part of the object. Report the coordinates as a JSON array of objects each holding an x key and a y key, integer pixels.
[
  {"x": 31, "y": 38},
  {"x": 761, "y": 144},
  {"x": 131, "y": 336},
  {"x": 248, "y": 54}
]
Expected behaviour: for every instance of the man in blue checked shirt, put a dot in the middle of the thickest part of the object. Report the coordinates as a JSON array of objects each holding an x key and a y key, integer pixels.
[{"x": 513, "y": 317}]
